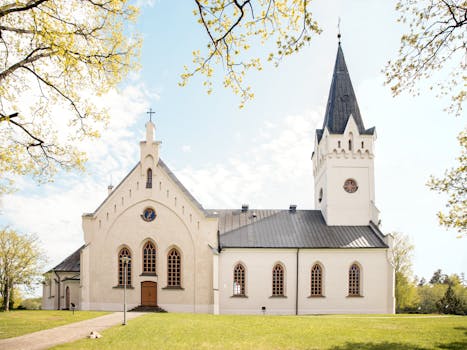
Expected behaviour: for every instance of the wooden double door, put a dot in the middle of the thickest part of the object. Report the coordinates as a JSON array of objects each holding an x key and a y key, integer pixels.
[{"x": 148, "y": 293}]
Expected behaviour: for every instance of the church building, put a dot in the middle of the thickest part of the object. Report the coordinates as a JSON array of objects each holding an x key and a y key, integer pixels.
[{"x": 153, "y": 237}]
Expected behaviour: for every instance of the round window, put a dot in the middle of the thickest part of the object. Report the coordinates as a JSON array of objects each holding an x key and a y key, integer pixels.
[
  {"x": 149, "y": 214},
  {"x": 350, "y": 186}
]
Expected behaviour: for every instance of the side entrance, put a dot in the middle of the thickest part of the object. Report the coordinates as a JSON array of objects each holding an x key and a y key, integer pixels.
[{"x": 148, "y": 293}]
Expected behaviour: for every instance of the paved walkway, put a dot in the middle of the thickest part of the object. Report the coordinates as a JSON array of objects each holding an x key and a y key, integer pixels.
[{"x": 64, "y": 334}]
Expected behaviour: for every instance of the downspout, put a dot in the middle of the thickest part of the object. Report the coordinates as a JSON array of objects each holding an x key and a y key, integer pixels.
[
  {"x": 296, "y": 287},
  {"x": 58, "y": 296}
]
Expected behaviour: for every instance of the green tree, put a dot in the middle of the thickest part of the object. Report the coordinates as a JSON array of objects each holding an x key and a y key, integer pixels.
[
  {"x": 21, "y": 262},
  {"x": 454, "y": 184},
  {"x": 401, "y": 259},
  {"x": 233, "y": 27},
  {"x": 435, "y": 43},
  {"x": 54, "y": 57},
  {"x": 450, "y": 303}
]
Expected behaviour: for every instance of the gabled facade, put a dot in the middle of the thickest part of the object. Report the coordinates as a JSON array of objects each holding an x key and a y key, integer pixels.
[{"x": 151, "y": 235}]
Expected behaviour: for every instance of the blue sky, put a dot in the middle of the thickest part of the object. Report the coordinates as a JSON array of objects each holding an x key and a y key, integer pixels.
[{"x": 261, "y": 154}]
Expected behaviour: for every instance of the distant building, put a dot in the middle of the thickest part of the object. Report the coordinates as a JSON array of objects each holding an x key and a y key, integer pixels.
[{"x": 185, "y": 258}]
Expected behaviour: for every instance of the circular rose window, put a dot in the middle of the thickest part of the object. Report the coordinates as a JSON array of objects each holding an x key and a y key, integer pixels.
[
  {"x": 149, "y": 214},
  {"x": 350, "y": 186}
]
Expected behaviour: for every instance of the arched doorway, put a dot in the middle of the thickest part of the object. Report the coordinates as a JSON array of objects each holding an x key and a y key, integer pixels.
[
  {"x": 67, "y": 298},
  {"x": 148, "y": 293}
]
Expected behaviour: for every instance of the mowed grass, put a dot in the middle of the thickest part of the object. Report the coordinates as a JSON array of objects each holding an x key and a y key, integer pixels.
[
  {"x": 15, "y": 323},
  {"x": 187, "y": 331}
]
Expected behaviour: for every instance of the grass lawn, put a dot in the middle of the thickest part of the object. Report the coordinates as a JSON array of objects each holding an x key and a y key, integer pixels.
[
  {"x": 345, "y": 332},
  {"x": 15, "y": 323}
]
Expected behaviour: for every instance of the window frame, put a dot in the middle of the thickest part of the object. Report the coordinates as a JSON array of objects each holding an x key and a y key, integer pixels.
[
  {"x": 355, "y": 280},
  {"x": 278, "y": 285},
  {"x": 174, "y": 276},
  {"x": 239, "y": 287},
  {"x": 316, "y": 290},
  {"x": 121, "y": 268},
  {"x": 152, "y": 257}
]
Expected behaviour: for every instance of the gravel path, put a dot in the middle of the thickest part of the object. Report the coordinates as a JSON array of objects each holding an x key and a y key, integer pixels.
[{"x": 64, "y": 334}]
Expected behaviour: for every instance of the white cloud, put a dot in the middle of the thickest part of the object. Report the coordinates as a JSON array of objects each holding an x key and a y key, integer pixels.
[
  {"x": 186, "y": 149},
  {"x": 271, "y": 173}
]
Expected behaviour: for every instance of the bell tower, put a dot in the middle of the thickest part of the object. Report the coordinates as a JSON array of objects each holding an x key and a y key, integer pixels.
[{"x": 343, "y": 157}]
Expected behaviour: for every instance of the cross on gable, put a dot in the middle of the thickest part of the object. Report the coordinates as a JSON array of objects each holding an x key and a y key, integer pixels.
[{"x": 150, "y": 114}]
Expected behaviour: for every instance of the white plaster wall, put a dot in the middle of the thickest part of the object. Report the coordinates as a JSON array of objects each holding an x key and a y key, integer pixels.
[
  {"x": 117, "y": 223},
  {"x": 333, "y": 164},
  {"x": 48, "y": 295},
  {"x": 376, "y": 284}
]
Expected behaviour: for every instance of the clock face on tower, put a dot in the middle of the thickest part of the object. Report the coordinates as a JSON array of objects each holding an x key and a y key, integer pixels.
[{"x": 350, "y": 186}]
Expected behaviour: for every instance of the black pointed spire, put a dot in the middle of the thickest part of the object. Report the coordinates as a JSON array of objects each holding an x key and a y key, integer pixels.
[{"x": 342, "y": 101}]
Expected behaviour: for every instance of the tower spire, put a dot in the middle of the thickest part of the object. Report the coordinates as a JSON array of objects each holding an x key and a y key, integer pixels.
[{"x": 342, "y": 101}]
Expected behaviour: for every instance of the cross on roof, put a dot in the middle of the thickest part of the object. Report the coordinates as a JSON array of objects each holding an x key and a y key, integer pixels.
[
  {"x": 339, "y": 30},
  {"x": 150, "y": 114}
]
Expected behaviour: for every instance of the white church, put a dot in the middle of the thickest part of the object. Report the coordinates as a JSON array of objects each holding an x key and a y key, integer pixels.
[{"x": 153, "y": 237}]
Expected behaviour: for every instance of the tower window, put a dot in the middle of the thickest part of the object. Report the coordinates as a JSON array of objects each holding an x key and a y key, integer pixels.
[
  {"x": 350, "y": 145},
  {"x": 363, "y": 144},
  {"x": 320, "y": 198},
  {"x": 338, "y": 144},
  {"x": 149, "y": 178}
]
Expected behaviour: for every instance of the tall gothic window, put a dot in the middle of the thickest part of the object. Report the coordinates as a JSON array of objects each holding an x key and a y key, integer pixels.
[
  {"x": 124, "y": 252},
  {"x": 149, "y": 258},
  {"x": 174, "y": 268},
  {"x": 354, "y": 280},
  {"x": 316, "y": 280},
  {"x": 278, "y": 280},
  {"x": 239, "y": 280},
  {"x": 149, "y": 178}
]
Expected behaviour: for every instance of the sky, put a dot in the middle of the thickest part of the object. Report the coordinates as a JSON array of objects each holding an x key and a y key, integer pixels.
[{"x": 260, "y": 154}]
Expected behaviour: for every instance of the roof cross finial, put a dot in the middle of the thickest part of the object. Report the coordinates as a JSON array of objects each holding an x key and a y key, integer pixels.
[
  {"x": 339, "y": 30},
  {"x": 150, "y": 114}
]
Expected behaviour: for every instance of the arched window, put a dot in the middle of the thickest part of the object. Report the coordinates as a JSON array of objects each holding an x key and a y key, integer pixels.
[
  {"x": 124, "y": 253},
  {"x": 149, "y": 178},
  {"x": 350, "y": 145},
  {"x": 149, "y": 258},
  {"x": 354, "y": 280},
  {"x": 174, "y": 268},
  {"x": 239, "y": 280},
  {"x": 278, "y": 280},
  {"x": 316, "y": 280}
]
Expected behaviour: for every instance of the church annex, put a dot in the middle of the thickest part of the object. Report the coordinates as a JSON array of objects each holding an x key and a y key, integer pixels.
[{"x": 185, "y": 258}]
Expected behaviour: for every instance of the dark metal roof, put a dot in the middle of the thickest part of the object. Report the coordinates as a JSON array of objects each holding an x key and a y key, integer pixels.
[
  {"x": 342, "y": 101},
  {"x": 286, "y": 229},
  {"x": 71, "y": 263}
]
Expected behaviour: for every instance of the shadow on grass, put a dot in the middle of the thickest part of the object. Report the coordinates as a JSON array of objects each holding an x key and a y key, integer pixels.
[
  {"x": 378, "y": 346},
  {"x": 456, "y": 345}
]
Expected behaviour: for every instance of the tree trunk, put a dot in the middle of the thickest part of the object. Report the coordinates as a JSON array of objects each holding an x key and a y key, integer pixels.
[{"x": 6, "y": 300}]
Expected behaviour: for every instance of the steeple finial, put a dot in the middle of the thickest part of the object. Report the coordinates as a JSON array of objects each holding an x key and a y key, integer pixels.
[
  {"x": 151, "y": 112},
  {"x": 339, "y": 30}
]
